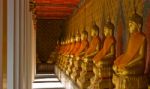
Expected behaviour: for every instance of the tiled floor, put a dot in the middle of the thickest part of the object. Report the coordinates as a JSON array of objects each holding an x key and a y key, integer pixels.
[{"x": 47, "y": 81}]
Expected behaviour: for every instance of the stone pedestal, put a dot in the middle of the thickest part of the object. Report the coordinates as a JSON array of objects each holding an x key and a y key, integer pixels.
[
  {"x": 66, "y": 63},
  {"x": 77, "y": 69},
  {"x": 86, "y": 74},
  {"x": 130, "y": 82},
  {"x": 103, "y": 73},
  {"x": 70, "y": 66}
]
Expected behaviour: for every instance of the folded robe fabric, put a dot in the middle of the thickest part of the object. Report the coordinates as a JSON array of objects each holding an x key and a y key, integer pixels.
[
  {"x": 106, "y": 47},
  {"x": 135, "y": 42}
]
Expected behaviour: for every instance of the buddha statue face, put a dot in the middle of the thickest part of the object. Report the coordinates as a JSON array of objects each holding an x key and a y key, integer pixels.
[
  {"x": 84, "y": 35},
  {"x": 133, "y": 26},
  {"x": 72, "y": 39},
  {"x": 68, "y": 41},
  {"x": 77, "y": 37},
  {"x": 135, "y": 23},
  {"x": 107, "y": 31},
  {"x": 94, "y": 32},
  {"x": 108, "y": 28}
]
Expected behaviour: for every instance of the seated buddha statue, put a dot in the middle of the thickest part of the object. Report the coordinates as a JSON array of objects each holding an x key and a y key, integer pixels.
[
  {"x": 70, "y": 56},
  {"x": 103, "y": 61},
  {"x": 87, "y": 65},
  {"x": 76, "y": 48},
  {"x": 79, "y": 53},
  {"x": 62, "y": 54},
  {"x": 129, "y": 67},
  {"x": 65, "y": 56}
]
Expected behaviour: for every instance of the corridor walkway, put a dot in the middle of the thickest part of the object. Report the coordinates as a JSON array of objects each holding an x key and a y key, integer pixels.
[{"x": 47, "y": 81}]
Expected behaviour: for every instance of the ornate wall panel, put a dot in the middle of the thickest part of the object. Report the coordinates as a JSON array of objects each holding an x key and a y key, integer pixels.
[{"x": 119, "y": 12}]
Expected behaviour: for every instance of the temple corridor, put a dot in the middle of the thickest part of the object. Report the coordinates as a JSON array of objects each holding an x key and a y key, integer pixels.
[{"x": 74, "y": 44}]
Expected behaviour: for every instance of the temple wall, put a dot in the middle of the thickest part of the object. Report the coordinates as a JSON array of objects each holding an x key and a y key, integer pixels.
[{"x": 119, "y": 12}]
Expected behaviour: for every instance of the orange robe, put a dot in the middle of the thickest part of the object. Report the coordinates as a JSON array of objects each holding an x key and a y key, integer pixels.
[
  {"x": 95, "y": 41},
  {"x": 76, "y": 48},
  {"x": 135, "y": 42},
  {"x": 106, "y": 47},
  {"x": 83, "y": 47},
  {"x": 71, "y": 48},
  {"x": 67, "y": 49}
]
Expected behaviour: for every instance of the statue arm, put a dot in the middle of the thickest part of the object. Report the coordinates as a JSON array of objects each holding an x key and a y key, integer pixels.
[
  {"x": 139, "y": 56},
  {"x": 94, "y": 53},
  {"x": 82, "y": 53},
  {"x": 111, "y": 53}
]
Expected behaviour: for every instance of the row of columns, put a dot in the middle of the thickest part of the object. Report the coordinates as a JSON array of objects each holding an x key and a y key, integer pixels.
[{"x": 21, "y": 44}]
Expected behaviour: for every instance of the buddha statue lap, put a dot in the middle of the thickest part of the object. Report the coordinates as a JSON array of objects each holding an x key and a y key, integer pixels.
[
  {"x": 80, "y": 52},
  {"x": 129, "y": 67},
  {"x": 103, "y": 61},
  {"x": 87, "y": 65}
]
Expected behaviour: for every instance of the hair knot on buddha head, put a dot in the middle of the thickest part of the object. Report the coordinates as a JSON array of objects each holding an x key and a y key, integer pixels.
[
  {"x": 108, "y": 28},
  {"x": 135, "y": 23}
]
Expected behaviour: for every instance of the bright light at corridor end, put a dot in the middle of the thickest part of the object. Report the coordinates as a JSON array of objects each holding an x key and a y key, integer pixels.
[
  {"x": 46, "y": 79},
  {"x": 48, "y": 85}
]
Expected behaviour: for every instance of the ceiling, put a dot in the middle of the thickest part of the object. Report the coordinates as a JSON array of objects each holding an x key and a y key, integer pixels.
[{"x": 54, "y": 9}]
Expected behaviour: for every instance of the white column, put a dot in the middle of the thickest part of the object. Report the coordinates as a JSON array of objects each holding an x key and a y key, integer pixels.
[
  {"x": 33, "y": 51},
  {"x": 10, "y": 46},
  {"x": 29, "y": 43},
  {"x": 19, "y": 69},
  {"x": 1, "y": 35}
]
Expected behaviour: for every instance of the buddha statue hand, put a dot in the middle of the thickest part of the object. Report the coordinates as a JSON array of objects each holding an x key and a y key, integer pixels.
[
  {"x": 115, "y": 68},
  {"x": 120, "y": 71},
  {"x": 85, "y": 59},
  {"x": 78, "y": 58}
]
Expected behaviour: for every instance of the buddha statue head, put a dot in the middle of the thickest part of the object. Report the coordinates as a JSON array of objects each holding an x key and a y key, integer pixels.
[
  {"x": 95, "y": 30},
  {"x": 108, "y": 28},
  {"x": 135, "y": 23},
  {"x": 68, "y": 41},
  {"x": 72, "y": 39},
  {"x": 84, "y": 35},
  {"x": 77, "y": 36}
]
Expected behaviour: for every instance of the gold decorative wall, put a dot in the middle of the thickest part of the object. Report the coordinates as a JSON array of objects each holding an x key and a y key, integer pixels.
[
  {"x": 99, "y": 10},
  {"x": 119, "y": 12}
]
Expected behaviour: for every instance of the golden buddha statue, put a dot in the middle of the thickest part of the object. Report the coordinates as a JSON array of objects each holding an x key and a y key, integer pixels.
[
  {"x": 62, "y": 55},
  {"x": 73, "y": 52},
  {"x": 70, "y": 56},
  {"x": 65, "y": 56},
  {"x": 76, "y": 48},
  {"x": 79, "y": 53},
  {"x": 103, "y": 61},
  {"x": 129, "y": 67},
  {"x": 87, "y": 65}
]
